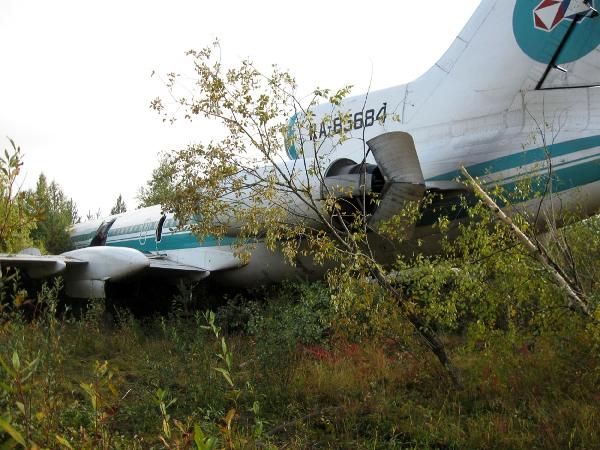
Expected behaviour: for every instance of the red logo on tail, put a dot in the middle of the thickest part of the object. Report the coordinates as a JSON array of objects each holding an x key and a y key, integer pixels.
[{"x": 549, "y": 13}]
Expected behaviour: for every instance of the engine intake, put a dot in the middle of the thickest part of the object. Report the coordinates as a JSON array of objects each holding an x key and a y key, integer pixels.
[{"x": 346, "y": 179}]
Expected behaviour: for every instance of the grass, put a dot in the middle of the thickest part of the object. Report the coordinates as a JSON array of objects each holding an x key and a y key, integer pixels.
[{"x": 531, "y": 392}]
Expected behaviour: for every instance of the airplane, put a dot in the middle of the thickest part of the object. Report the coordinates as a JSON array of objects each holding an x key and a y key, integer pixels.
[{"x": 518, "y": 69}]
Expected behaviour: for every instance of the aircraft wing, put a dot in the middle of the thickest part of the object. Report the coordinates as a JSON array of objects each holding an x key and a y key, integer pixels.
[
  {"x": 162, "y": 266},
  {"x": 38, "y": 266},
  {"x": 86, "y": 270}
]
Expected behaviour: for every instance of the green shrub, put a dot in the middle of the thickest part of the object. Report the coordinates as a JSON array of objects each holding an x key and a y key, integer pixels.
[{"x": 300, "y": 313}]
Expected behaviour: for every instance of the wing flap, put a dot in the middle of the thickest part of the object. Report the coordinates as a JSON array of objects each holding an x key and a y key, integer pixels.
[{"x": 162, "y": 266}]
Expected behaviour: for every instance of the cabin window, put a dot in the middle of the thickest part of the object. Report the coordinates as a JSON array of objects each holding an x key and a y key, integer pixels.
[{"x": 159, "y": 228}]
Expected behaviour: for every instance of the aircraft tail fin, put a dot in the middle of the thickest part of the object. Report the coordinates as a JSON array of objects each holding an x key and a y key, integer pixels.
[{"x": 510, "y": 46}]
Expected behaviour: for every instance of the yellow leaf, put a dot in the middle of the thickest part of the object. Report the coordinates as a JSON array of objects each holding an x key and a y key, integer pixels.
[
  {"x": 12, "y": 432},
  {"x": 229, "y": 418},
  {"x": 62, "y": 441},
  {"x": 113, "y": 389}
]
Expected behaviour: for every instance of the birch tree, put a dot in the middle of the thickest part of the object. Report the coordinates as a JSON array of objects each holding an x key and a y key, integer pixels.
[{"x": 245, "y": 185}]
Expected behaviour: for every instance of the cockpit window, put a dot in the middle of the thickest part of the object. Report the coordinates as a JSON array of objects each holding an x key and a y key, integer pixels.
[
  {"x": 159, "y": 228},
  {"x": 102, "y": 234}
]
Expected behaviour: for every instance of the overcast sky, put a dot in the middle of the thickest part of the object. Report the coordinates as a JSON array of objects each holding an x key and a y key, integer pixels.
[{"x": 75, "y": 82}]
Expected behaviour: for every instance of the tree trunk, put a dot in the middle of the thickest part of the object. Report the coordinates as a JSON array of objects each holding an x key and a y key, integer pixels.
[
  {"x": 576, "y": 302},
  {"x": 431, "y": 340},
  {"x": 437, "y": 347}
]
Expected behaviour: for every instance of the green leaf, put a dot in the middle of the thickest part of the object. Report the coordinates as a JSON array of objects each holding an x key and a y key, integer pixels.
[
  {"x": 12, "y": 432},
  {"x": 225, "y": 374},
  {"x": 6, "y": 367},
  {"x": 198, "y": 437},
  {"x": 16, "y": 362},
  {"x": 202, "y": 442},
  {"x": 9, "y": 444},
  {"x": 160, "y": 394},
  {"x": 89, "y": 390}
]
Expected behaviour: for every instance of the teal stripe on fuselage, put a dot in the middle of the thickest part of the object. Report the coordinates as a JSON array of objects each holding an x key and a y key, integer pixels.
[
  {"x": 562, "y": 179},
  {"x": 83, "y": 237},
  {"x": 176, "y": 241},
  {"x": 291, "y": 134},
  {"x": 539, "y": 171},
  {"x": 515, "y": 160}
]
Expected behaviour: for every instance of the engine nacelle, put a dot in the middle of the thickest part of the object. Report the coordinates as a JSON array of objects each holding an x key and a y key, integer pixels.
[
  {"x": 104, "y": 264},
  {"x": 396, "y": 178}
]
